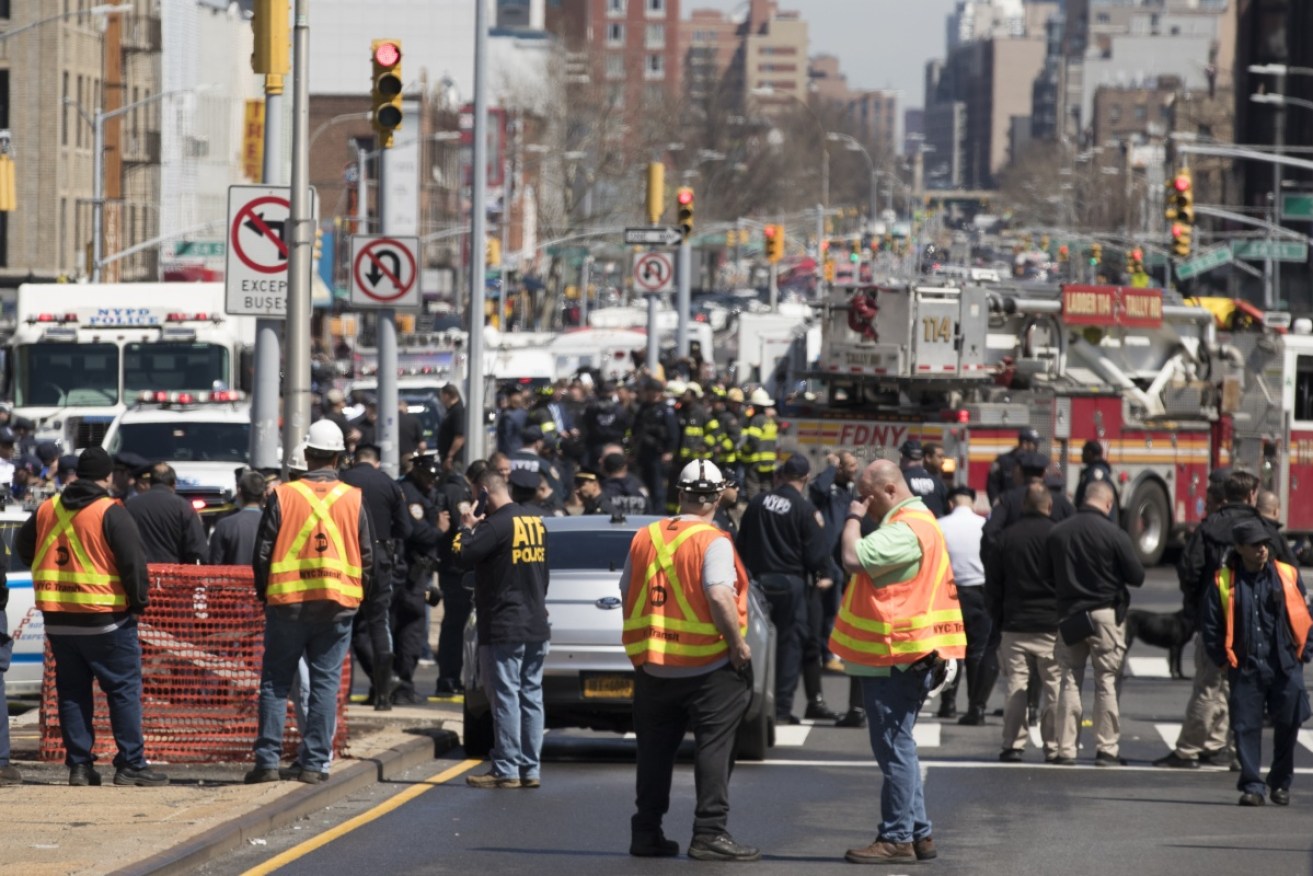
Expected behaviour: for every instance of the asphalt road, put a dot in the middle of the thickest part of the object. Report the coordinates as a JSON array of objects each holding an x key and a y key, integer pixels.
[{"x": 818, "y": 794}]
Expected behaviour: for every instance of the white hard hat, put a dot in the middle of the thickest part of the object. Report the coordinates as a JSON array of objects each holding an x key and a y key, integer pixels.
[
  {"x": 695, "y": 388},
  {"x": 296, "y": 462},
  {"x": 675, "y": 388},
  {"x": 701, "y": 476},
  {"x": 325, "y": 435},
  {"x": 761, "y": 397}
]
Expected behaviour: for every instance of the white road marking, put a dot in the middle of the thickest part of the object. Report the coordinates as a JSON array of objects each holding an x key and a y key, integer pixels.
[
  {"x": 1168, "y": 732},
  {"x": 1306, "y": 739},
  {"x": 972, "y": 765},
  {"x": 791, "y": 735},
  {"x": 1148, "y": 667},
  {"x": 927, "y": 735}
]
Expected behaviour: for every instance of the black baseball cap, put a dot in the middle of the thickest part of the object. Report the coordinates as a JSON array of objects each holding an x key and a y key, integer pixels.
[
  {"x": 525, "y": 479},
  {"x": 912, "y": 449},
  {"x": 1250, "y": 532},
  {"x": 1033, "y": 462},
  {"x": 1028, "y": 434}
]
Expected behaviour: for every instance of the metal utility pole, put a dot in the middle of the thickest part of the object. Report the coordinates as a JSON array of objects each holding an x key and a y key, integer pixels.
[
  {"x": 272, "y": 19},
  {"x": 389, "y": 431},
  {"x": 820, "y": 250},
  {"x": 474, "y": 426},
  {"x": 653, "y": 338},
  {"x": 1279, "y": 142},
  {"x": 583, "y": 290},
  {"x": 296, "y": 421},
  {"x": 683, "y": 296}
]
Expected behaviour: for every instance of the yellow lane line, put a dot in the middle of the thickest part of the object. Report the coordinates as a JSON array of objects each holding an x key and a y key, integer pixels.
[{"x": 362, "y": 819}]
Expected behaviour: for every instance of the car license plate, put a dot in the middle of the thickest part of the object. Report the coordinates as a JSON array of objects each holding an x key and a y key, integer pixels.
[{"x": 615, "y": 686}]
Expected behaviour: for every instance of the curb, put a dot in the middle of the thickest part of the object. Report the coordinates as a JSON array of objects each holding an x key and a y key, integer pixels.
[{"x": 188, "y": 856}]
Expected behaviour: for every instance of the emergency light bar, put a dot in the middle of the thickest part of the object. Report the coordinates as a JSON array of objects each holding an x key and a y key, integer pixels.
[
  {"x": 58, "y": 318},
  {"x": 183, "y": 397},
  {"x": 192, "y": 317}
]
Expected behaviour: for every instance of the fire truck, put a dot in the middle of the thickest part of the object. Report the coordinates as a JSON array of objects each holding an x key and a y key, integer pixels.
[
  {"x": 968, "y": 366},
  {"x": 82, "y": 353}
]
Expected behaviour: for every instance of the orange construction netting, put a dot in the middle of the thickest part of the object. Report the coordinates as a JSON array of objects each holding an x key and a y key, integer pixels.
[{"x": 202, "y": 643}]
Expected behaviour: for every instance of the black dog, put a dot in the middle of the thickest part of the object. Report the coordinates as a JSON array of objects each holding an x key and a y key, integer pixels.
[{"x": 1170, "y": 631}]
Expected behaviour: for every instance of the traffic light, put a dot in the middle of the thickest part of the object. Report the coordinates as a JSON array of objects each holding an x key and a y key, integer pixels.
[
  {"x": 829, "y": 271},
  {"x": 492, "y": 255},
  {"x": 1181, "y": 239},
  {"x": 774, "y": 235},
  {"x": 386, "y": 93},
  {"x": 1096, "y": 254},
  {"x": 1180, "y": 198},
  {"x": 1044, "y": 243},
  {"x": 1063, "y": 253},
  {"x": 684, "y": 199},
  {"x": 1135, "y": 261},
  {"x": 272, "y": 47}
]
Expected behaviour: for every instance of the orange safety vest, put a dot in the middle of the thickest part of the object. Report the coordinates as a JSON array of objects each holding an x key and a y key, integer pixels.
[
  {"x": 1296, "y": 609},
  {"x": 667, "y": 616},
  {"x": 317, "y": 552},
  {"x": 901, "y": 622},
  {"x": 73, "y": 569}
]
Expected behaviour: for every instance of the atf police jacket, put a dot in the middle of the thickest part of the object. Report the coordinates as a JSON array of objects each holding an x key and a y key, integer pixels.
[{"x": 508, "y": 553}]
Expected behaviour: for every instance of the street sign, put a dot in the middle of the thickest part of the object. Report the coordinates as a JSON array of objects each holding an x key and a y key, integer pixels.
[
  {"x": 384, "y": 271},
  {"x": 198, "y": 249},
  {"x": 258, "y": 244},
  {"x": 1297, "y": 206},
  {"x": 659, "y": 235},
  {"x": 1278, "y": 250},
  {"x": 654, "y": 273},
  {"x": 1205, "y": 261}
]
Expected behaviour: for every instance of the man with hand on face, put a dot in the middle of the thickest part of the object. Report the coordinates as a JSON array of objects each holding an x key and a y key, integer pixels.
[
  {"x": 896, "y": 629},
  {"x": 1255, "y": 626}
]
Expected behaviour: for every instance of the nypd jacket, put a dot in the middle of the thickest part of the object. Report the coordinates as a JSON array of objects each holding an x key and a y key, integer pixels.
[{"x": 781, "y": 534}]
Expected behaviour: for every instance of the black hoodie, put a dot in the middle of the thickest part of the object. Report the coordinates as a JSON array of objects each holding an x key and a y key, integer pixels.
[{"x": 124, "y": 540}]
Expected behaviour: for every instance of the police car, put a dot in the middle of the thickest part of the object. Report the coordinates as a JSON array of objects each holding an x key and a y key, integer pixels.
[
  {"x": 205, "y": 436},
  {"x": 26, "y": 624}
]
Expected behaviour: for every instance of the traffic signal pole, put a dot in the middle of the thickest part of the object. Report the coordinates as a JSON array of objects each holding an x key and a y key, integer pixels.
[
  {"x": 475, "y": 425},
  {"x": 386, "y": 60},
  {"x": 296, "y": 421},
  {"x": 683, "y": 296},
  {"x": 272, "y": 17}
]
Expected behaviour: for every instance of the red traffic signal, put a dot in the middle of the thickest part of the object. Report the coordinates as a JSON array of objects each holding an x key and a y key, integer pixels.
[
  {"x": 387, "y": 54},
  {"x": 769, "y": 231},
  {"x": 1182, "y": 182},
  {"x": 685, "y": 196}
]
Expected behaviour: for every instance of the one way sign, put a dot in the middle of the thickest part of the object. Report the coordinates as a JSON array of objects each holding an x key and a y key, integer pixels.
[{"x": 384, "y": 271}]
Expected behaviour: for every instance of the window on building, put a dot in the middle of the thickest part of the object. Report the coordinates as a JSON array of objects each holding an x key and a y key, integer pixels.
[
  {"x": 656, "y": 7},
  {"x": 1304, "y": 388},
  {"x": 617, "y": 8},
  {"x": 1114, "y": 114},
  {"x": 4, "y": 9},
  {"x": 654, "y": 96},
  {"x": 656, "y": 66},
  {"x": 615, "y": 66},
  {"x": 63, "y": 134},
  {"x": 656, "y": 36},
  {"x": 1141, "y": 113},
  {"x": 615, "y": 34}
]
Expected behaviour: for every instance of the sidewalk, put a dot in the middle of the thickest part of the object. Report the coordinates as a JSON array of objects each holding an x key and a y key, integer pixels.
[{"x": 51, "y": 829}]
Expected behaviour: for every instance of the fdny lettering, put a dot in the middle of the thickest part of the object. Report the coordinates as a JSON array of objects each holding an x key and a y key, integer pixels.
[
  {"x": 861, "y": 435},
  {"x": 528, "y": 545},
  {"x": 777, "y": 504}
]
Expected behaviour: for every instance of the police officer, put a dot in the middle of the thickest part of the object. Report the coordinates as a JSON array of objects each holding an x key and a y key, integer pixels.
[
  {"x": 507, "y": 550},
  {"x": 759, "y": 439},
  {"x": 700, "y": 680},
  {"x": 313, "y": 569},
  {"x": 606, "y": 420},
  {"x": 456, "y": 583},
  {"x": 655, "y": 438},
  {"x": 430, "y": 519},
  {"x": 89, "y": 577},
  {"x": 782, "y": 542},
  {"x": 389, "y": 521},
  {"x": 530, "y": 458},
  {"x": 925, "y": 485},
  {"x": 1256, "y": 628},
  {"x": 1096, "y": 469},
  {"x": 1002, "y": 474},
  {"x": 511, "y": 421},
  {"x": 588, "y": 494},
  {"x": 625, "y": 492},
  {"x": 1011, "y": 505},
  {"x": 171, "y": 530}
]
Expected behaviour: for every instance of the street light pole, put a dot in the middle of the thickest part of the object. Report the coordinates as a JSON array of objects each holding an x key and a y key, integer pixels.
[
  {"x": 296, "y": 397},
  {"x": 475, "y": 426}
]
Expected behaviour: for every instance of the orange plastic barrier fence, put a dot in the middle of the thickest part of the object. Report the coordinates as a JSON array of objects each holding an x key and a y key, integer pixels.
[{"x": 202, "y": 643}]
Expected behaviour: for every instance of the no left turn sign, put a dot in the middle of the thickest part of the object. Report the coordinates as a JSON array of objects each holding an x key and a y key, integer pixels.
[
  {"x": 384, "y": 271},
  {"x": 259, "y": 242},
  {"x": 654, "y": 272}
]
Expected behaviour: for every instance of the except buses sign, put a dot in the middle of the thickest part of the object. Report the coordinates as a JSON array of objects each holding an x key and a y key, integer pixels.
[{"x": 1111, "y": 306}]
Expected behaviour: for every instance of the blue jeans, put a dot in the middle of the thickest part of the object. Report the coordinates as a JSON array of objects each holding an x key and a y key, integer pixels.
[
  {"x": 324, "y": 645},
  {"x": 513, "y": 676},
  {"x": 891, "y": 706},
  {"x": 114, "y": 660}
]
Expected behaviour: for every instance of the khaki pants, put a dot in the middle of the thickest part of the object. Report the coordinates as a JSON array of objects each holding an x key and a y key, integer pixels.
[
  {"x": 1104, "y": 650},
  {"x": 1206, "y": 715},
  {"x": 1013, "y": 653}
]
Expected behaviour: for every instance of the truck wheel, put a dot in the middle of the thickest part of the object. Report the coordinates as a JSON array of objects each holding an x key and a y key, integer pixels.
[
  {"x": 478, "y": 732},
  {"x": 1148, "y": 522}
]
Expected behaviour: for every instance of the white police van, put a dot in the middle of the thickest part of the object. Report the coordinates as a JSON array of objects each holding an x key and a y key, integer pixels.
[{"x": 26, "y": 624}]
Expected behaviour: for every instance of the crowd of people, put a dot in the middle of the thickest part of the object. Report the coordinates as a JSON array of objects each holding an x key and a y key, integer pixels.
[{"x": 889, "y": 573}]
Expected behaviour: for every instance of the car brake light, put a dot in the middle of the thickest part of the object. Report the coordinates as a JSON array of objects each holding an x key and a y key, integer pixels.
[{"x": 198, "y": 504}]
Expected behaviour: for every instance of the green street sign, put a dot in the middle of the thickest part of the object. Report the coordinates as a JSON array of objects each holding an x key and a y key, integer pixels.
[
  {"x": 1277, "y": 250},
  {"x": 1205, "y": 261},
  {"x": 199, "y": 249},
  {"x": 1297, "y": 206}
]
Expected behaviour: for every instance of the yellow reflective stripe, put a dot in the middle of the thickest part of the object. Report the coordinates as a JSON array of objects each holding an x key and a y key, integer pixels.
[
  {"x": 916, "y": 622},
  {"x": 347, "y": 587},
  {"x": 315, "y": 563},
  {"x": 666, "y": 558},
  {"x": 54, "y": 577},
  {"x": 318, "y": 514},
  {"x": 661, "y": 646},
  {"x": 82, "y": 598},
  {"x": 662, "y": 622},
  {"x": 912, "y": 646},
  {"x": 63, "y": 523}
]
